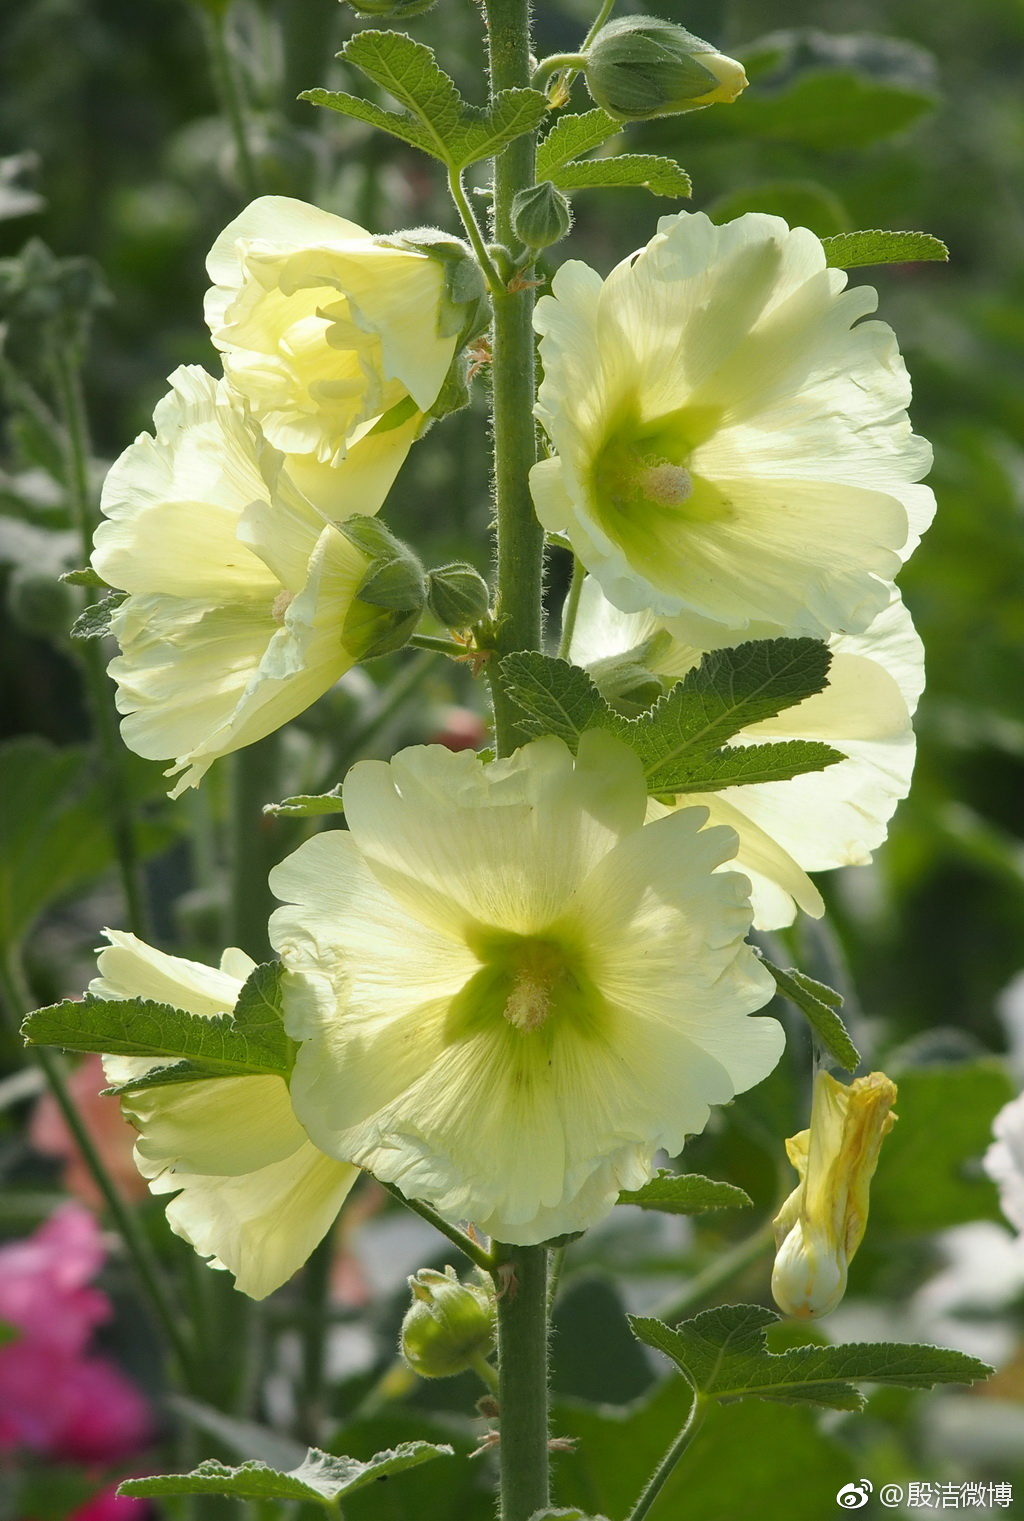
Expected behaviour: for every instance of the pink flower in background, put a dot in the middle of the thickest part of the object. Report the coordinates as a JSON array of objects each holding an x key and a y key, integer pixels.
[
  {"x": 56, "y": 1399},
  {"x": 460, "y": 729},
  {"x": 108, "y": 1505},
  {"x": 112, "y": 1135}
]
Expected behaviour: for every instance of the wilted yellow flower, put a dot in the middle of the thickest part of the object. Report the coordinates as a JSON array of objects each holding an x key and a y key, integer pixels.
[
  {"x": 509, "y": 991},
  {"x": 732, "y": 442},
  {"x": 814, "y": 822},
  {"x": 324, "y": 330},
  {"x": 242, "y": 605},
  {"x": 822, "y": 1223},
  {"x": 254, "y": 1194}
]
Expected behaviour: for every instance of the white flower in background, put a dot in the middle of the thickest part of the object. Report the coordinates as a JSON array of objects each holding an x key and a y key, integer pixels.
[
  {"x": 732, "y": 445},
  {"x": 325, "y": 331},
  {"x": 510, "y": 992},
  {"x": 822, "y": 819},
  {"x": 253, "y": 1193},
  {"x": 239, "y": 590},
  {"x": 1004, "y": 1161}
]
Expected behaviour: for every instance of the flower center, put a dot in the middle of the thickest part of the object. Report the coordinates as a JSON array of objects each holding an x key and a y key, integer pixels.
[
  {"x": 644, "y": 473},
  {"x": 537, "y": 970}
]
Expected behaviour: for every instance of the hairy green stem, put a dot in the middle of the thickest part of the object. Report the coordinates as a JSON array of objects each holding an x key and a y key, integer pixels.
[
  {"x": 715, "y": 1277},
  {"x": 559, "y": 93},
  {"x": 470, "y": 1248},
  {"x": 572, "y": 607},
  {"x": 439, "y": 646},
  {"x": 231, "y": 97},
  {"x": 77, "y": 455},
  {"x": 660, "y": 1475},
  {"x": 18, "y": 998},
  {"x": 522, "y": 1312},
  {"x": 552, "y": 64},
  {"x": 520, "y": 538}
]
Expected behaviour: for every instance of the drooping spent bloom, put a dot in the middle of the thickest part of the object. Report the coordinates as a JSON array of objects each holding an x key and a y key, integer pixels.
[
  {"x": 732, "y": 445},
  {"x": 822, "y": 1223},
  {"x": 242, "y": 606},
  {"x": 509, "y": 991},
  {"x": 1004, "y": 1161},
  {"x": 253, "y": 1194},
  {"x": 326, "y": 332},
  {"x": 814, "y": 822},
  {"x": 56, "y": 1397}
]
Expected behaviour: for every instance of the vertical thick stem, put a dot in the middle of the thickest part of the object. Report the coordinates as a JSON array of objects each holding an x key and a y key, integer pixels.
[
  {"x": 523, "y": 1382},
  {"x": 520, "y": 536}
]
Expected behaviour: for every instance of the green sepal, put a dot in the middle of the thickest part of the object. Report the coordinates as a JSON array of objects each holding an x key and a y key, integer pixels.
[
  {"x": 457, "y": 595},
  {"x": 395, "y": 577}
]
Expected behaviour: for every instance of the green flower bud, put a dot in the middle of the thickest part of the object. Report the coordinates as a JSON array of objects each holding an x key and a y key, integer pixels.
[
  {"x": 394, "y": 578},
  {"x": 541, "y": 215},
  {"x": 457, "y": 595},
  {"x": 395, "y": 9},
  {"x": 39, "y": 603},
  {"x": 448, "y": 1325},
  {"x": 640, "y": 66}
]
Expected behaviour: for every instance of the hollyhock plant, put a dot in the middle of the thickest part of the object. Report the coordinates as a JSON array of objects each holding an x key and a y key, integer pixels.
[
  {"x": 731, "y": 441},
  {"x": 815, "y": 822},
  {"x": 509, "y": 991},
  {"x": 253, "y": 1194}
]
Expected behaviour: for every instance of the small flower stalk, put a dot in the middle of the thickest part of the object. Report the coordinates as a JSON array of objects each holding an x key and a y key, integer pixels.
[
  {"x": 822, "y": 1223},
  {"x": 449, "y": 1326}
]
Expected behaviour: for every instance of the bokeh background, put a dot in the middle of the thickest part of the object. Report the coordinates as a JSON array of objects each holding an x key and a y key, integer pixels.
[{"x": 861, "y": 113}]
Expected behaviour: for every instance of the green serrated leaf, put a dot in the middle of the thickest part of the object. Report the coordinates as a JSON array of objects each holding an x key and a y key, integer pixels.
[
  {"x": 559, "y": 698},
  {"x": 94, "y": 622},
  {"x": 439, "y": 121},
  {"x": 723, "y": 1354},
  {"x": 571, "y": 136},
  {"x": 819, "y": 1003},
  {"x": 320, "y": 1478},
  {"x": 308, "y": 805},
  {"x": 848, "y": 250},
  {"x": 679, "y": 739},
  {"x": 84, "y": 577},
  {"x": 661, "y": 176},
  {"x": 685, "y": 1194},
  {"x": 251, "y": 1040}
]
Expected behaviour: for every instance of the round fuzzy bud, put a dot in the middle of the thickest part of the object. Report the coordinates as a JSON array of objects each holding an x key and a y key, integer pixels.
[
  {"x": 448, "y": 1325},
  {"x": 396, "y": 10},
  {"x": 541, "y": 215},
  {"x": 641, "y": 66},
  {"x": 39, "y": 603},
  {"x": 457, "y": 595}
]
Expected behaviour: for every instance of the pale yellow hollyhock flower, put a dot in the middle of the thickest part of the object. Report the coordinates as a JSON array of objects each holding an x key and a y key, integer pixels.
[
  {"x": 254, "y": 1195},
  {"x": 822, "y": 819},
  {"x": 510, "y": 992},
  {"x": 325, "y": 331},
  {"x": 822, "y": 1223},
  {"x": 732, "y": 445},
  {"x": 239, "y": 589}
]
